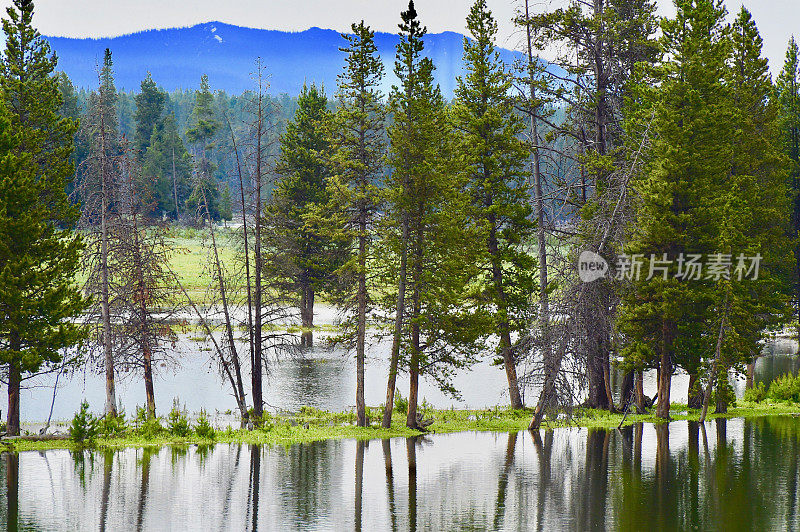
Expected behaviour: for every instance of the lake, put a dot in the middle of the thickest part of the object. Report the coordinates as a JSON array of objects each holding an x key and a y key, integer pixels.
[
  {"x": 724, "y": 475},
  {"x": 318, "y": 377}
]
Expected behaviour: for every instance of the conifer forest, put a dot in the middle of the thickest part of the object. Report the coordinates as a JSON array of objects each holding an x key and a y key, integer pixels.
[{"x": 553, "y": 280}]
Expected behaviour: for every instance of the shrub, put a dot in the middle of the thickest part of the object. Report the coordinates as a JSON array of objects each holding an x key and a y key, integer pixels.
[
  {"x": 113, "y": 426},
  {"x": 178, "y": 422},
  {"x": 203, "y": 428},
  {"x": 400, "y": 403},
  {"x": 756, "y": 394},
  {"x": 151, "y": 428},
  {"x": 785, "y": 388},
  {"x": 84, "y": 425}
]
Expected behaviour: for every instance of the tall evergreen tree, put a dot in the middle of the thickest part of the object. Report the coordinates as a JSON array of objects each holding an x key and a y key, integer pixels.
[
  {"x": 204, "y": 200},
  {"x": 682, "y": 192},
  {"x": 358, "y": 142},
  {"x": 150, "y": 103},
  {"x": 494, "y": 157},
  {"x": 39, "y": 255},
  {"x": 427, "y": 227},
  {"x": 309, "y": 257},
  {"x": 788, "y": 93},
  {"x": 167, "y": 167},
  {"x": 753, "y": 219}
]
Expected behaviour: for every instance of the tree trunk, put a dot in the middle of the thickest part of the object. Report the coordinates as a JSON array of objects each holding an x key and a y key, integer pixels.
[
  {"x": 715, "y": 365},
  {"x": 505, "y": 335},
  {"x": 626, "y": 390},
  {"x": 695, "y": 394},
  {"x": 239, "y": 386},
  {"x": 416, "y": 310},
  {"x": 639, "y": 392},
  {"x": 361, "y": 333},
  {"x": 307, "y": 315},
  {"x": 551, "y": 366},
  {"x": 398, "y": 326},
  {"x": 257, "y": 358},
  {"x": 598, "y": 398},
  {"x": 665, "y": 371},
  {"x": 607, "y": 378},
  {"x": 751, "y": 373},
  {"x": 175, "y": 187},
  {"x": 14, "y": 378},
  {"x": 108, "y": 360},
  {"x": 148, "y": 383},
  {"x": 144, "y": 340}
]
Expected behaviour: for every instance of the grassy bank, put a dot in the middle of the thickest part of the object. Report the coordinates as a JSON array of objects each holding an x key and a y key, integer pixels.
[{"x": 314, "y": 425}]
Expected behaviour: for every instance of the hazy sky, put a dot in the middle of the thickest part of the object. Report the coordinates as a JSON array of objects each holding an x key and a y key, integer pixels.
[{"x": 777, "y": 19}]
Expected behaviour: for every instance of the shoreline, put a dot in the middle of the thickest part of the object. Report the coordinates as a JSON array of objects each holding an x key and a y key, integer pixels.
[{"x": 314, "y": 425}]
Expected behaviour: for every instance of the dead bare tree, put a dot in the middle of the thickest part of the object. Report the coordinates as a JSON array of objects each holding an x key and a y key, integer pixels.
[
  {"x": 98, "y": 184},
  {"x": 147, "y": 293}
]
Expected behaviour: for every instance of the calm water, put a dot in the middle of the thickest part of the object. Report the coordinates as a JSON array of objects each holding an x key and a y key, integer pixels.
[
  {"x": 739, "y": 474},
  {"x": 322, "y": 378},
  {"x": 319, "y": 377}
]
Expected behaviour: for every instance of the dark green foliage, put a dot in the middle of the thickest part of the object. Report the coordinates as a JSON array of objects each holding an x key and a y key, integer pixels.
[
  {"x": 400, "y": 402},
  {"x": 39, "y": 255},
  {"x": 682, "y": 188},
  {"x": 85, "y": 426},
  {"x": 203, "y": 203},
  {"x": 113, "y": 426},
  {"x": 303, "y": 257},
  {"x": 146, "y": 426},
  {"x": 150, "y": 104},
  {"x": 167, "y": 169},
  {"x": 787, "y": 88},
  {"x": 493, "y": 157}
]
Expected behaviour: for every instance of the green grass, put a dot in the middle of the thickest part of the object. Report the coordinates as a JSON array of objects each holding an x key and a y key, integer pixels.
[
  {"x": 190, "y": 262},
  {"x": 328, "y": 426}
]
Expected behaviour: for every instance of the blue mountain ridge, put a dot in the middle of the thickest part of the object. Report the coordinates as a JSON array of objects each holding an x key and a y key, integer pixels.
[{"x": 178, "y": 57}]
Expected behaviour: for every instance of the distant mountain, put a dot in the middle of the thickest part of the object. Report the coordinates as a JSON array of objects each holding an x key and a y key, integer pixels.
[{"x": 178, "y": 57}]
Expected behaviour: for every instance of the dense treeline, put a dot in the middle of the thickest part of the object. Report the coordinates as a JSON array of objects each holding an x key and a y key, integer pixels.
[{"x": 636, "y": 207}]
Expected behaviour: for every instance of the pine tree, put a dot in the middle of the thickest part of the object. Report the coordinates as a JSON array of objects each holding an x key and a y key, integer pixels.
[
  {"x": 681, "y": 193},
  {"x": 167, "y": 167},
  {"x": 494, "y": 157},
  {"x": 358, "y": 149},
  {"x": 39, "y": 255},
  {"x": 427, "y": 227},
  {"x": 309, "y": 256},
  {"x": 788, "y": 96},
  {"x": 204, "y": 200},
  {"x": 753, "y": 220},
  {"x": 150, "y": 103}
]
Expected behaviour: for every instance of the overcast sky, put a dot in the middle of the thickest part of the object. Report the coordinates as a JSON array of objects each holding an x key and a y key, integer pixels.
[{"x": 777, "y": 19}]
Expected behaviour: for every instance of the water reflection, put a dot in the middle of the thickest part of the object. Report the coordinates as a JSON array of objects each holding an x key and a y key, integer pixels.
[{"x": 722, "y": 474}]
